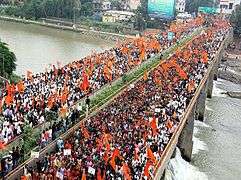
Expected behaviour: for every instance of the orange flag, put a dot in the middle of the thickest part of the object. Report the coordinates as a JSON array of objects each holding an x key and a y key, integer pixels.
[
  {"x": 64, "y": 97},
  {"x": 2, "y": 145},
  {"x": 9, "y": 99},
  {"x": 181, "y": 72},
  {"x": 151, "y": 156},
  {"x": 116, "y": 153},
  {"x": 107, "y": 73},
  {"x": 145, "y": 77},
  {"x": 146, "y": 169},
  {"x": 126, "y": 171},
  {"x": 124, "y": 50},
  {"x": 112, "y": 163},
  {"x": 85, "y": 133},
  {"x": 50, "y": 102},
  {"x": 105, "y": 157},
  {"x": 191, "y": 86},
  {"x": 85, "y": 83},
  {"x": 83, "y": 175},
  {"x": 169, "y": 124},
  {"x": 21, "y": 87},
  {"x": 63, "y": 112},
  {"x": 29, "y": 74},
  {"x": 99, "y": 177},
  {"x": 142, "y": 54},
  {"x": 204, "y": 57},
  {"x": 154, "y": 126},
  {"x": 136, "y": 154}
]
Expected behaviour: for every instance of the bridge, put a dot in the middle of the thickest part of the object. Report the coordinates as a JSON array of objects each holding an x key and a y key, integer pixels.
[{"x": 182, "y": 137}]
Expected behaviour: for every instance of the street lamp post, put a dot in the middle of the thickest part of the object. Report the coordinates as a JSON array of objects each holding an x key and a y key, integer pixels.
[
  {"x": 2, "y": 64},
  {"x": 3, "y": 69}
]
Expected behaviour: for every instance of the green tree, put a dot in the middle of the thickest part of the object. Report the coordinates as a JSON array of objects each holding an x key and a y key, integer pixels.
[
  {"x": 141, "y": 16},
  {"x": 7, "y": 60},
  {"x": 193, "y": 5},
  {"x": 236, "y": 20},
  {"x": 116, "y": 4},
  {"x": 86, "y": 9},
  {"x": 29, "y": 138},
  {"x": 33, "y": 9}
]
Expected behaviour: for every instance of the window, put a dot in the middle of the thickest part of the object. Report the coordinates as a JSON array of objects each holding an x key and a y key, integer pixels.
[
  {"x": 230, "y": 5},
  {"x": 223, "y": 6}
]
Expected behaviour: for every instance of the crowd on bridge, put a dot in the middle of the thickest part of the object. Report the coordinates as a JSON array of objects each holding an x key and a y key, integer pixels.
[
  {"x": 127, "y": 138},
  {"x": 59, "y": 88}
]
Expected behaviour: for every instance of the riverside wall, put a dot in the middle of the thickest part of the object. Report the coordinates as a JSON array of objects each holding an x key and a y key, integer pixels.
[{"x": 67, "y": 27}]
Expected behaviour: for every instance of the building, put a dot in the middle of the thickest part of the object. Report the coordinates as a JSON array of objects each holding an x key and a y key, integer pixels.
[
  {"x": 227, "y": 6},
  {"x": 106, "y": 5},
  {"x": 180, "y": 6},
  {"x": 97, "y": 5},
  {"x": 133, "y": 4},
  {"x": 115, "y": 16}
]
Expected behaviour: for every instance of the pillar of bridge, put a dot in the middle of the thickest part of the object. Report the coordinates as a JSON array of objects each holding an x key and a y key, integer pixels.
[
  {"x": 174, "y": 153},
  {"x": 185, "y": 142},
  {"x": 201, "y": 104},
  {"x": 209, "y": 82},
  {"x": 163, "y": 177}
]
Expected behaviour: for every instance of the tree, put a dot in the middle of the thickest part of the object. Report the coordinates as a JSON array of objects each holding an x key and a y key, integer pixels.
[
  {"x": 236, "y": 20},
  {"x": 33, "y": 9},
  {"x": 141, "y": 16},
  {"x": 193, "y": 5},
  {"x": 7, "y": 60}
]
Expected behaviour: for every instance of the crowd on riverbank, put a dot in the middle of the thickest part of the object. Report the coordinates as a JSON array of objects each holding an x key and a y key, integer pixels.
[
  {"x": 126, "y": 139},
  {"x": 59, "y": 88}
]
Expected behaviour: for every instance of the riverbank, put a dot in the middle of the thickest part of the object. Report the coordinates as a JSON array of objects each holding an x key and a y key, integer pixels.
[
  {"x": 36, "y": 47},
  {"x": 99, "y": 34},
  {"x": 219, "y": 135},
  {"x": 230, "y": 70}
]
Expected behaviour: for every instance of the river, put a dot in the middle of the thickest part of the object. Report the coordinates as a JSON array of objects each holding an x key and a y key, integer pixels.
[
  {"x": 36, "y": 47},
  {"x": 217, "y": 140}
]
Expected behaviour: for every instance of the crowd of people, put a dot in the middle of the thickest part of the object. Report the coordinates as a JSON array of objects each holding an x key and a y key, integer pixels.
[
  {"x": 59, "y": 88},
  {"x": 126, "y": 139}
]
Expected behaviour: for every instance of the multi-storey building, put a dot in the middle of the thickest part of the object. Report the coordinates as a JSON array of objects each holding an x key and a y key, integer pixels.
[
  {"x": 180, "y": 6},
  {"x": 227, "y": 6}
]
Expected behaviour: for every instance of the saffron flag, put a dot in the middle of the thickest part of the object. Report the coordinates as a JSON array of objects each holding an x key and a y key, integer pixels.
[
  {"x": 50, "y": 102},
  {"x": 2, "y": 145},
  {"x": 99, "y": 177},
  {"x": 85, "y": 133},
  {"x": 154, "y": 126},
  {"x": 63, "y": 112},
  {"x": 146, "y": 169},
  {"x": 29, "y": 75},
  {"x": 145, "y": 77},
  {"x": 151, "y": 156},
  {"x": 21, "y": 87},
  {"x": 112, "y": 163},
  {"x": 83, "y": 175},
  {"x": 126, "y": 171},
  {"x": 85, "y": 83},
  {"x": 191, "y": 86}
]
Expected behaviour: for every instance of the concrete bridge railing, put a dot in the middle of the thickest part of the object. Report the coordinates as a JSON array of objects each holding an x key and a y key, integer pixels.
[{"x": 183, "y": 135}]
